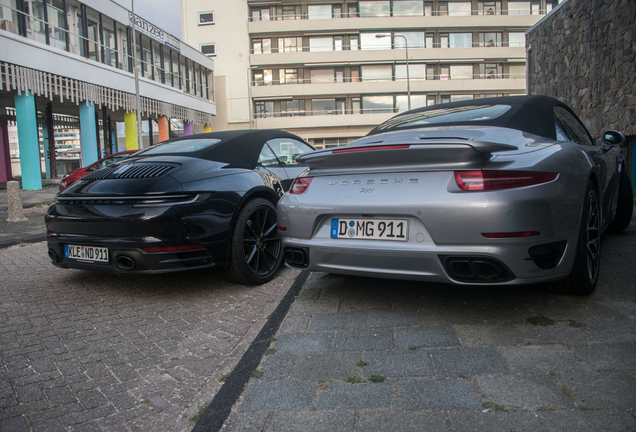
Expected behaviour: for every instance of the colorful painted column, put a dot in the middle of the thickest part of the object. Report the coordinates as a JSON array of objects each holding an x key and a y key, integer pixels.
[
  {"x": 5, "y": 153},
  {"x": 187, "y": 128},
  {"x": 26, "y": 119},
  {"x": 164, "y": 128},
  {"x": 88, "y": 133},
  {"x": 130, "y": 120},
  {"x": 207, "y": 129}
]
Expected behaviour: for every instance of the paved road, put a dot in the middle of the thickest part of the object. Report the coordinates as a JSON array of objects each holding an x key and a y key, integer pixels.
[
  {"x": 97, "y": 351},
  {"x": 451, "y": 358}
]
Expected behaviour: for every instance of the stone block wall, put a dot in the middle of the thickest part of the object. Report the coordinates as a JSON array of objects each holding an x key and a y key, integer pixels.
[{"x": 583, "y": 54}]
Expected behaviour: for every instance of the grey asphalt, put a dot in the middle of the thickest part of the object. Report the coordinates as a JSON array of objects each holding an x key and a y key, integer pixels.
[
  {"x": 34, "y": 204},
  {"x": 444, "y": 358}
]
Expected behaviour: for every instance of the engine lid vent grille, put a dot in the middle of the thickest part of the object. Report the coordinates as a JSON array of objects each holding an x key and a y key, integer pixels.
[{"x": 129, "y": 171}]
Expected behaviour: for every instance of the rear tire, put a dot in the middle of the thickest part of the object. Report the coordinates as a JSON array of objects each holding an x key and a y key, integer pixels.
[
  {"x": 583, "y": 278},
  {"x": 625, "y": 205},
  {"x": 256, "y": 250}
]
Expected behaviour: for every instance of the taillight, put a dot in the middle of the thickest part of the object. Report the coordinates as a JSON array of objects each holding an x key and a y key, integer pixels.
[
  {"x": 490, "y": 180},
  {"x": 300, "y": 185}
]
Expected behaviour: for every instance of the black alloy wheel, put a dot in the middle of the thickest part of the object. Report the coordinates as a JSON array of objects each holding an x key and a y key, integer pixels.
[
  {"x": 583, "y": 278},
  {"x": 593, "y": 236},
  {"x": 256, "y": 251}
]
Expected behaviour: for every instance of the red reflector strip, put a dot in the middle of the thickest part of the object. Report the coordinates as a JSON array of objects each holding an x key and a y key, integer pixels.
[
  {"x": 173, "y": 249},
  {"x": 359, "y": 149},
  {"x": 512, "y": 234},
  {"x": 280, "y": 228}
]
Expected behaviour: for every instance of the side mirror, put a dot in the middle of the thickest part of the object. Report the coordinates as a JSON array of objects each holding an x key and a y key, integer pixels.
[{"x": 613, "y": 138}]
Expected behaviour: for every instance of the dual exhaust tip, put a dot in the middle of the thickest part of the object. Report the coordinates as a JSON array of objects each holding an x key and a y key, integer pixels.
[{"x": 296, "y": 257}]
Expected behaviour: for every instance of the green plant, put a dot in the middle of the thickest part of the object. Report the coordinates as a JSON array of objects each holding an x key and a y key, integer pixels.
[
  {"x": 273, "y": 339},
  {"x": 576, "y": 324},
  {"x": 224, "y": 377},
  {"x": 361, "y": 363},
  {"x": 376, "y": 378},
  {"x": 163, "y": 372},
  {"x": 540, "y": 320},
  {"x": 257, "y": 374},
  {"x": 412, "y": 348},
  {"x": 269, "y": 351},
  {"x": 355, "y": 380}
]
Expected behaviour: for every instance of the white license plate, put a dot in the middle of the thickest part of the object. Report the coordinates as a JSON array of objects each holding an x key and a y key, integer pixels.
[
  {"x": 86, "y": 253},
  {"x": 370, "y": 229}
]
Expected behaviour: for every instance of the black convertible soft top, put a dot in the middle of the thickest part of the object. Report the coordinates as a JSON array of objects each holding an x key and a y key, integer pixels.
[
  {"x": 237, "y": 148},
  {"x": 532, "y": 114}
]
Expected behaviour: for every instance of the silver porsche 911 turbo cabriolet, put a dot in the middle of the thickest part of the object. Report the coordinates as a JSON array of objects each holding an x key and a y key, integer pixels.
[{"x": 509, "y": 190}]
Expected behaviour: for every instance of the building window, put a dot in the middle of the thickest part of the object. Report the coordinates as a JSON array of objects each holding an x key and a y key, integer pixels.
[
  {"x": 408, "y": 8},
  {"x": 208, "y": 50},
  {"x": 353, "y": 43},
  {"x": 206, "y": 18},
  {"x": 288, "y": 76},
  {"x": 375, "y": 8},
  {"x": 320, "y": 44},
  {"x": 414, "y": 39},
  {"x": 461, "y": 71},
  {"x": 459, "y": 8},
  {"x": 377, "y": 73},
  {"x": 402, "y": 102},
  {"x": 290, "y": 44},
  {"x": 260, "y": 14},
  {"x": 490, "y": 39},
  {"x": 460, "y": 40},
  {"x": 292, "y": 108},
  {"x": 430, "y": 100},
  {"x": 417, "y": 71},
  {"x": 263, "y": 109},
  {"x": 319, "y": 12},
  {"x": 368, "y": 41},
  {"x": 489, "y": 7},
  {"x": 262, "y": 46},
  {"x": 490, "y": 70},
  {"x": 321, "y": 76},
  {"x": 327, "y": 106},
  {"x": 377, "y": 104},
  {"x": 517, "y": 39},
  {"x": 263, "y": 77}
]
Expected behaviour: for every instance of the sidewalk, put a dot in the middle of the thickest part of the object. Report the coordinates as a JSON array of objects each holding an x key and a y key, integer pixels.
[{"x": 34, "y": 204}]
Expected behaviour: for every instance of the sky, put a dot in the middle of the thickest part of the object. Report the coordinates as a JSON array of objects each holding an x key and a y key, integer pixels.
[{"x": 165, "y": 14}]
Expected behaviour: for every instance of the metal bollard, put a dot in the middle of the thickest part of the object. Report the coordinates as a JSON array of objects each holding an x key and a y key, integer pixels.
[{"x": 16, "y": 213}]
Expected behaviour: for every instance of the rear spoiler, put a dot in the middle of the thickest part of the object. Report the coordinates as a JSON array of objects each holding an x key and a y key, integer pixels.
[{"x": 440, "y": 154}]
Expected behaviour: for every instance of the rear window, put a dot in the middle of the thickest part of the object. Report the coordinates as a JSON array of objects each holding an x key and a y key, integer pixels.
[
  {"x": 182, "y": 146},
  {"x": 473, "y": 113}
]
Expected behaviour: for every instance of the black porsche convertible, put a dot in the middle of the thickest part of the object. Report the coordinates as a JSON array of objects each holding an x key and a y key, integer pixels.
[{"x": 196, "y": 202}]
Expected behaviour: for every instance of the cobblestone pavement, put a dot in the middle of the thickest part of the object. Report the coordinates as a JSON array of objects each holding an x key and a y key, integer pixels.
[
  {"x": 436, "y": 357},
  {"x": 97, "y": 351}
]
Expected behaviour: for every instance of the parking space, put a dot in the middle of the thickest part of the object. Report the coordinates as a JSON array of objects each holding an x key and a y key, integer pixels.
[
  {"x": 98, "y": 351},
  {"x": 369, "y": 354}
]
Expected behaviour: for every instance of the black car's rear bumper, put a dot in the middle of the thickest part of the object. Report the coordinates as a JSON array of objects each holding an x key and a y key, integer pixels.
[{"x": 130, "y": 259}]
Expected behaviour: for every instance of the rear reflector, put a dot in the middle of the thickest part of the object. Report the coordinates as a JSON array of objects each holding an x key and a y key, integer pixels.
[
  {"x": 490, "y": 180},
  {"x": 173, "y": 249},
  {"x": 300, "y": 185},
  {"x": 370, "y": 148},
  {"x": 280, "y": 228},
  {"x": 512, "y": 234}
]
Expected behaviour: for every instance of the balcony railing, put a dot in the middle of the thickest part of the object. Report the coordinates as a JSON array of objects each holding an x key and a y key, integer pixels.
[
  {"x": 39, "y": 30},
  {"x": 441, "y": 45},
  {"x": 436, "y": 13},
  {"x": 442, "y": 77}
]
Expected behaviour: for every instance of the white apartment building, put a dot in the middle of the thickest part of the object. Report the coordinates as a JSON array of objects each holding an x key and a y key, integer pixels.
[{"x": 330, "y": 71}]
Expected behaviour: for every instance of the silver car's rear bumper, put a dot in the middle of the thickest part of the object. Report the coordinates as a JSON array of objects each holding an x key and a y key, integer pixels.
[{"x": 443, "y": 222}]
